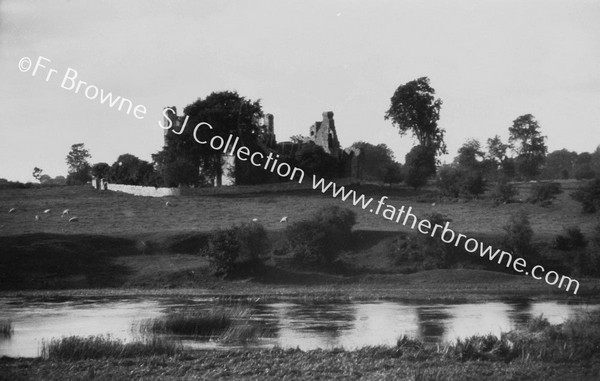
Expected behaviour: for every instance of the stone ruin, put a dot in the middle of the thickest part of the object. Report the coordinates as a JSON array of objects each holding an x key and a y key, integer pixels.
[{"x": 323, "y": 134}]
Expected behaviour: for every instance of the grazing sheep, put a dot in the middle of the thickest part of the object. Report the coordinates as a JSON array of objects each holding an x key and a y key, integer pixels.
[
  {"x": 284, "y": 219},
  {"x": 37, "y": 218},
  {"x": 47, "y": 211},
  {"x": 433, "y": 204},
  {"x": 65, "y": 212},
  {"x": 167, "y": 203},
  {"x": 254, "y": 219},
  {"x": 73, "y": 219},
  {"x": 12, "y": 210}
]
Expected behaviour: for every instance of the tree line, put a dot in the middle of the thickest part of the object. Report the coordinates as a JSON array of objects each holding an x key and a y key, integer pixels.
[{"x": 414, "y": 109}]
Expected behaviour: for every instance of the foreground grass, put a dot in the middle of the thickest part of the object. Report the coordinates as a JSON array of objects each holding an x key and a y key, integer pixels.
[{"x": 279, "y": 364}]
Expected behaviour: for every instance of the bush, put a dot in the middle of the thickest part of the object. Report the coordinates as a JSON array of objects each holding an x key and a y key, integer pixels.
[
  {"x": 455, "y": 182},
  {"x": 544, "y": 193},
  {"x": 503, "y": 192},
  {"x": 572, "y": 239},
  {"x": 589, "y": 196},
  {"x": 519, "y": 235},
  {"x": 420, "y": 165},
  {"x": 240, "y": 245},
  {"x": 321, "y": 239},
  {"x": 420, "y": 252}
]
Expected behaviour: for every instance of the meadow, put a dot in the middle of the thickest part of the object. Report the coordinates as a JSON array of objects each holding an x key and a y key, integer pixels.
[{"x": 123, "y": 243}]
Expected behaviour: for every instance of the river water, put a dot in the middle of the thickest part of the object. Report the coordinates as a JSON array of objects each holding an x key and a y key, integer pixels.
[{"x": 307, "y": 325}]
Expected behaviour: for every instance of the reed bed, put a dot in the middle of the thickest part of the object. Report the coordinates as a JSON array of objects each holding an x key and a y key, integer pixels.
[
  {"x": 6, "y": 328},
  {"x": 96, "y": 347}
]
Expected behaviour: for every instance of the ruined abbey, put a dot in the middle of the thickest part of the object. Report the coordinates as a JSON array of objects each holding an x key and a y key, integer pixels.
[{"x": 322, "y": 133}]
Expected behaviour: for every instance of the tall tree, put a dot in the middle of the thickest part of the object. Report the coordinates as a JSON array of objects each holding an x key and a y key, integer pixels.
[
  {"x": 530, "y": 146},
  {"x": 497, "y": 150},
  {"x": 79, "y": 168},
  {"x": 77, "y": 158},
  {"x": 414, "y": 108},
  {"x": 227, "y": 113}
]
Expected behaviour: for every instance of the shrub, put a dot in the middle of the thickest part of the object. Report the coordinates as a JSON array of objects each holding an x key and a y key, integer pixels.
[
  {"x": 503, "y": 192},
  {"x": 320, "y": 239},
  {"x": 420, "y": 165},
  {"x": 240, "y": 245},
  {"x": 420, "y": 252},
  {"x": 589, "y": 196},
  {"x": 519, "y": 235},
  {"x": 572, "y": 239},
  {"x": 544, "y": 193},
  {"x": 455, "y": 182}
]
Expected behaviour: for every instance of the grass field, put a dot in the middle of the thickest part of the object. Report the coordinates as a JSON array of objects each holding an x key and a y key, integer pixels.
[
  {"x": 112, "y": 213},
  {"x": 129, "y": 242}
]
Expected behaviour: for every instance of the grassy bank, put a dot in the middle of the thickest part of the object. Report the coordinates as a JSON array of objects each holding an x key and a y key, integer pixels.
[{"x": 127, "y": 245}]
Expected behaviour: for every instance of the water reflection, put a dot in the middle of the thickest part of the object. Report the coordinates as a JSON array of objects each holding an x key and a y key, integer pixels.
[{"x": 291, "y": 324}]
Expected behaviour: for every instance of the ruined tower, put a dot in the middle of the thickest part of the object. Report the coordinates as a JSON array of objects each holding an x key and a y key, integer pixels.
[{"x": 323, "y": 134}]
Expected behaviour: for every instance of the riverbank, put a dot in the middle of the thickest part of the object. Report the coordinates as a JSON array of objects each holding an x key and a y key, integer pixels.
[
  {"x": 449, "y": 286},
  {"x": 278, "y": 364}
]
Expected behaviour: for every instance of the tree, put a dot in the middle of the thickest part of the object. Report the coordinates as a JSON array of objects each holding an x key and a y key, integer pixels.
[
  {"x": 130, "y": 170},
  {"x": 470, "y": 155},
  {"x": 100, "y": 170},
  {"x": 79, "y": 168},
  {"x": 77, "y": 158},
  {"x": 37, "y": 173},
  {"x": 559, "y": 164},
  {"x": 414, "y": 108},
  {"x": 497, "y": 149},
  {"x": 530, "y": 149},
  {"x": 420, "y": 165},
  {"x": 227, "y": 113},
  {"x": 375, "y": 160},
  {"x": 313, "y": 159},
  {"x": 392, "y": 173},
  {"x": 497, "y": 159},
  {"x": 582, "y": 168}
]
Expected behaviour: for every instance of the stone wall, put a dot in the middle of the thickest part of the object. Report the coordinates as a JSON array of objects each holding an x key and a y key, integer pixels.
[{"x": 138, "y": 190}]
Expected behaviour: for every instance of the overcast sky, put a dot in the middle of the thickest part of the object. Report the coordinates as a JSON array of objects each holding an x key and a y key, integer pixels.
[{"x": 489, "y": 62}]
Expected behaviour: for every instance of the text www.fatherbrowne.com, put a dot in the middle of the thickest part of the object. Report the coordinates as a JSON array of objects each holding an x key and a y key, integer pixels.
[{"x": 447, "y": 235}]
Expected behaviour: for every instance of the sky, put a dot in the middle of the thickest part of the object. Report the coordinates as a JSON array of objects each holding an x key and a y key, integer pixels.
[{"x": 489, "y": 62}]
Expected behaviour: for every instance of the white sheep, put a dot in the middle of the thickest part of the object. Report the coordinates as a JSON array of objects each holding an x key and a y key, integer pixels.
[
  {"x": 37, "y": 218},
  {"x": 283, "y": 219},
  {"x": 65, "y": 212},
  {"x": 47, "y": 211},
  {"x": 12, "y": 210},
  {"x": 73, "y": 219},
  {"x": 254, "y": 219}
]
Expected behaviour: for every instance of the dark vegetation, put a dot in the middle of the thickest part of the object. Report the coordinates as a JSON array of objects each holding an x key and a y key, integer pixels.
[
  {"x": 320, "y": 239},
  {"x": 239, "y": 247},
  {"x": 74, "y": 348},
  {"x": 6, "y": 328}
]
